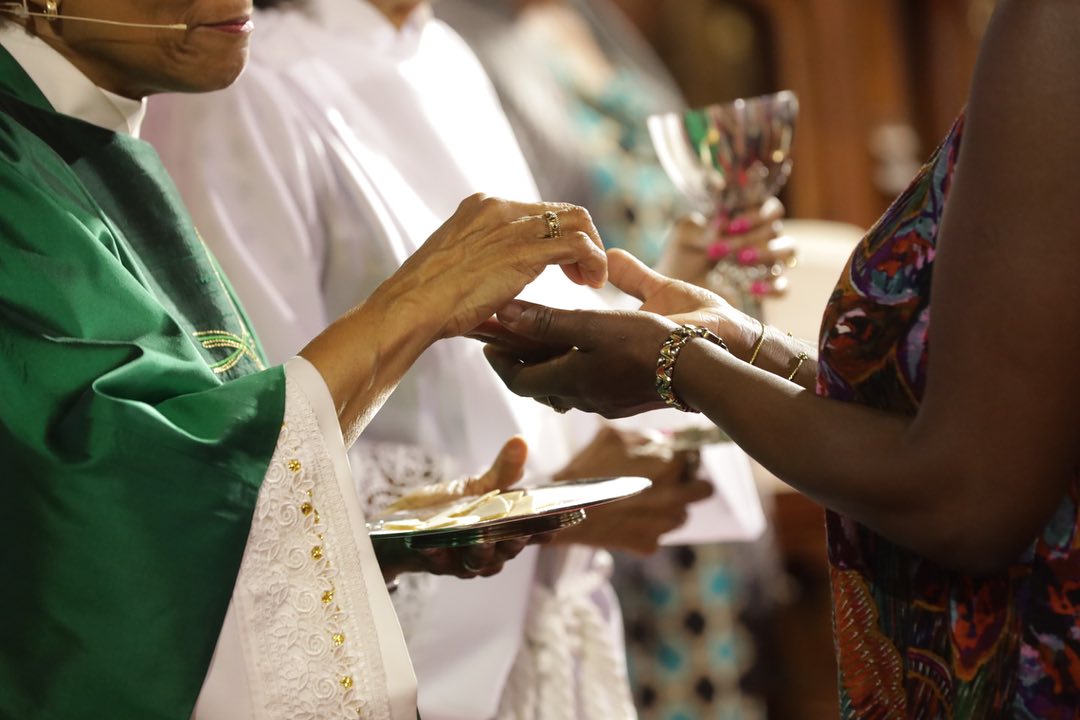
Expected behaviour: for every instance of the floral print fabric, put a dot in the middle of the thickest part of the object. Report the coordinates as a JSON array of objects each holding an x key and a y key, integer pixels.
[{"x": 914, "y": 640}]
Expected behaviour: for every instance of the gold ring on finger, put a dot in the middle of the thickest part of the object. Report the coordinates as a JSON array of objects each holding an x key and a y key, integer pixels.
[{"x": 552, "y": 221}]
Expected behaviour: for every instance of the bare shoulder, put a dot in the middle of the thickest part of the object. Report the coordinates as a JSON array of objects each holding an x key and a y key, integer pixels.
[
  {"x": 1043, "y": 18},
  {"x": 1024, "y": 110},
  {"x": 1030, "y": 48}
]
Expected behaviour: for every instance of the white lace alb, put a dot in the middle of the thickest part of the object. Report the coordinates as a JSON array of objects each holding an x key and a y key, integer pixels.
[{"x": 310, "y": 633}]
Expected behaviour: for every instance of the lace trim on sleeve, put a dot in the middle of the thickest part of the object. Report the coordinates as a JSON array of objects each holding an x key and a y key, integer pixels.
[
  {"x": 386, "y": 471},
  {"x": 311, "y": 632}
]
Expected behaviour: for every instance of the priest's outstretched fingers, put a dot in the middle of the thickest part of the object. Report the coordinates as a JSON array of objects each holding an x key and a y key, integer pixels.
[
  {"x": 575, "y": 244},
  {"x": 577, "y": 239}
]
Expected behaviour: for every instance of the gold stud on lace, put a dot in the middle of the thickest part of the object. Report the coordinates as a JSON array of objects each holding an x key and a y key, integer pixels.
[
  {"x": 328, "y": 597},
  {"x": 306, "y": 508},
  {"x": 346, "y": 682},
  {"x": 338, "y": 638},
  {"x": 294, "y": 465},
  {"x": 316, "y": 552}
]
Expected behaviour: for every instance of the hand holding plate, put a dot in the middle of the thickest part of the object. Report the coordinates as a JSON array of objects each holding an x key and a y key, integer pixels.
[{"x": 482, "y": 560}]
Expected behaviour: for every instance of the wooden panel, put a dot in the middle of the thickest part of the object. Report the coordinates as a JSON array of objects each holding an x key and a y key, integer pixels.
[
  {"x": 858, "y": 66},
  {"x": 944, "y": 41},
  {"x": 845, "y": 59}
]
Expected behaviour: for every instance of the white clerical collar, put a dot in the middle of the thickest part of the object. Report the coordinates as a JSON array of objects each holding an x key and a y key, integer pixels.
[
  {"x": 363, "y": 21},
  {"x": 67, "y": 89}
]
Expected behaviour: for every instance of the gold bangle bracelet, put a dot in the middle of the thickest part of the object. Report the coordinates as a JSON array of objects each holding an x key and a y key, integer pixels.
[
  {"x": 801, "y": 357},
  {"x": 669, "y": 353},
  {"x": 759, "y": 344}
]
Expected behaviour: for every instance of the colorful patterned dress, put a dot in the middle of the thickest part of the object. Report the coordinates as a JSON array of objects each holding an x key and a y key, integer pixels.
[{"x": 914, "y": 640}]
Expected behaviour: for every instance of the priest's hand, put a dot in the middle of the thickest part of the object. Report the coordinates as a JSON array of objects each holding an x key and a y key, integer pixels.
[
  {"x": 468, "y": 562},
  {"x": 490, "y": 249},
  {"x": 479, "y": 260},
  {"x": 635, "y": 524}
]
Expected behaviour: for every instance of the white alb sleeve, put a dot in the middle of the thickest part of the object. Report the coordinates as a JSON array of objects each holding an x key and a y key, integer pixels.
[{"x": 311, "y": 632}]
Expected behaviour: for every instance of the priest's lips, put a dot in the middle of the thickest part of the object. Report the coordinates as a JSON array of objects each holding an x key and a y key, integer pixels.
[{"x": 236, "y": 26}]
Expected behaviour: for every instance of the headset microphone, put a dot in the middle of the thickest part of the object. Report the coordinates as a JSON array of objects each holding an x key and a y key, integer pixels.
[{"x": 22, "y": 10}]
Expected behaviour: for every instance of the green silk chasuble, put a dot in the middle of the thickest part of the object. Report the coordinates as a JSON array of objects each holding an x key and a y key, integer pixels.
[{"x": 136, "y": 425}]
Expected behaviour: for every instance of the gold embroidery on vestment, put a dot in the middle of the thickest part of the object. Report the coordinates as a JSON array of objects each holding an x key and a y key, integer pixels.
[{"x": 242, "y": 345}]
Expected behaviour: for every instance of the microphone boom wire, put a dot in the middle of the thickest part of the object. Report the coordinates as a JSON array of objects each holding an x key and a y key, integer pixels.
[{"x": 22, "y": 11}]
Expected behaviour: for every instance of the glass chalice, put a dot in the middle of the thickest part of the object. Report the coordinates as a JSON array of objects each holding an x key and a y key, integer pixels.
[{"x": 726, "y": 159}]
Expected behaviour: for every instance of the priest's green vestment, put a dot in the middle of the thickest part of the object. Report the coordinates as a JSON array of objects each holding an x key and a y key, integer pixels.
[{"x": 136, "y": 424}]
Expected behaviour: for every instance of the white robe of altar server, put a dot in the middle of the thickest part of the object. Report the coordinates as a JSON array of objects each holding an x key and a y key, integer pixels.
[
  {"x": 282, "y": 653},
  {"x": 340, "y": 150}
]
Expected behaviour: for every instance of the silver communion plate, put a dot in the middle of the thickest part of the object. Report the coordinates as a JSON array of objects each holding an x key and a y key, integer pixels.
[{"x": 560, "y": 505}]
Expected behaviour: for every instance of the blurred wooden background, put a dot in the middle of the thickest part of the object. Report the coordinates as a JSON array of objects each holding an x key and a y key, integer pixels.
[{"x": 880, "y": 81}]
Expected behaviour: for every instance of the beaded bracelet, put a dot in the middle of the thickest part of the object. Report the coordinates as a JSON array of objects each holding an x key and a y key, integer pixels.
[{"x": 669, "y": 353}]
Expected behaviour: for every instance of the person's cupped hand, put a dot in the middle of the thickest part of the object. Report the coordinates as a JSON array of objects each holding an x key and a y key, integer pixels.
[
  {"x": 482, "y": 560},
  {"x": 635, "y": 524}
]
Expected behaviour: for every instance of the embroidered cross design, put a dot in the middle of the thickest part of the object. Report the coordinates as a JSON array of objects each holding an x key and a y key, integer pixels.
[{"x": 241, "y": 347}]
